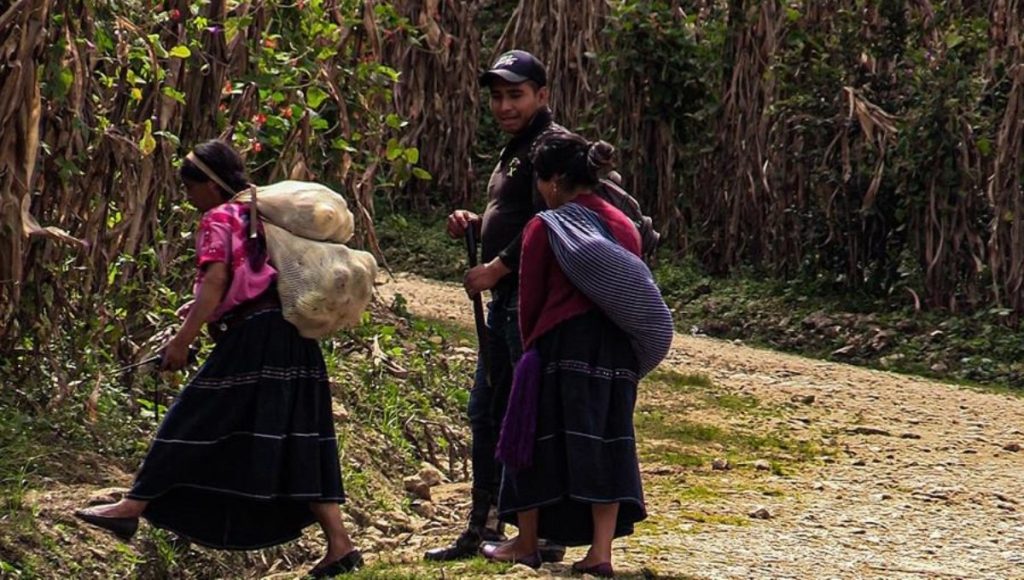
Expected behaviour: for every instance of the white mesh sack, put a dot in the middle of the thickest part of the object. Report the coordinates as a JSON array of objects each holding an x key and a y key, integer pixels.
[
  {"x": 323, "y": 286},
  {"x": 306, "y": 209}
]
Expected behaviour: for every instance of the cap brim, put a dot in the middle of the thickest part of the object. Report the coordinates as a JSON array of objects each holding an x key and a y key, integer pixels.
[{"x": 506, "y": 75}]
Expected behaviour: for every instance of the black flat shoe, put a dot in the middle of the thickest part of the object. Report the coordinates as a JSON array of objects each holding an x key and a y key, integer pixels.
[
  {"x": 123, "y": 528},
  {"x": 348, "y": 563}
]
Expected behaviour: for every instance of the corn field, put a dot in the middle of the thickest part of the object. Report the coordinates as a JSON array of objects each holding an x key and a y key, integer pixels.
[{"x": 873, "y": 145}]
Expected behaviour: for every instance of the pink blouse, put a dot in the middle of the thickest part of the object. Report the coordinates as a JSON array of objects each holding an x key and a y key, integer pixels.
[{"x": 224, "y": 237}]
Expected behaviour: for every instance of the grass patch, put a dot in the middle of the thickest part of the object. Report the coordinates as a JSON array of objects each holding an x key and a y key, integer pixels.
[
  {"x": 698, "y": 389},
  {"x": 683, "y": 442},
  {"x": 734, "y": 403},
  {"x": 680, "y": 381},
  {"x": 671, "y": 455},
  {"x": 475, "y": 567},
  {"x": 697, "y": 493},
  {"x": 719, "y": 519},
  {"x": 654, "y": 425}
]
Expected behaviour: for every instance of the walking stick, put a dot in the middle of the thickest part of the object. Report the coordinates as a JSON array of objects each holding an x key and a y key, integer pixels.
[
  {"x": 156, "y": 360},
  {"x": 478, "y": 304}
]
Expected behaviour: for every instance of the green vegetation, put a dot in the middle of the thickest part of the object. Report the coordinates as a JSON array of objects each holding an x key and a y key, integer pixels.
[
  {"x": 421, "y": 246},
  {"x": 816, "y": 319}
]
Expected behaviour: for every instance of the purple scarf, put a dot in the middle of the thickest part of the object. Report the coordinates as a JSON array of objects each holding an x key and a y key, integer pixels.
[{"x": 518, "y": 428}]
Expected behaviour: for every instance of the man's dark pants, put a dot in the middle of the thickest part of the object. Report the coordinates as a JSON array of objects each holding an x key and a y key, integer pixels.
[
  {"x": 488, "y": 399},
  {"x": 487, "y": 402}
]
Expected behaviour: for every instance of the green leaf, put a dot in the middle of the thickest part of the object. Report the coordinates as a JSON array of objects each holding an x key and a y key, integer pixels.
[
  {"x": 422, "y": 174},
  {"x": 393, "y": 121},
  {"x": 389, "y": 72},
  {"x": 394, "y": 150},
  {"x": 147, "y": 144},
  {"x": 104, "y": 41},
  {"x": 158, "y": 47},
  {"x": 985, "y": 146},
  {"x": 343, "y": 145},
  {"x": 174, "y": 94},
  {"x": 315, "y": 97},
  {"x": 181, "y": 51},
  {"x": 64, "y": 81},
  {"x": 169, "y": 136},
  {"x": 412, "y": 155}
]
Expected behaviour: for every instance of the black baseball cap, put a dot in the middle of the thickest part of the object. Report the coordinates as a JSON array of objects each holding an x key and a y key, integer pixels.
[{"x": 516, "y": 66}]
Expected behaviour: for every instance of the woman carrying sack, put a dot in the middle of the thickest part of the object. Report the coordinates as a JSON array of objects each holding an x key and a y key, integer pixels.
[
  {"x": 592, "y": 323},
  {"x": 247, "y": 456}
]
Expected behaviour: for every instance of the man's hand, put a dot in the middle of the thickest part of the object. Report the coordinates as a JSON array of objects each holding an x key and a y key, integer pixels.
[
  {"x": 485, "y": 276},
  {"x": 460, "y": 220},
  {"x": 183, "y": 311},
  {"x": 175, "y": 355}
]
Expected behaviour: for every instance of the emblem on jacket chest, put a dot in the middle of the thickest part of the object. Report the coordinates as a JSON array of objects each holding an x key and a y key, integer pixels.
[{"x": 512, "y": 167}]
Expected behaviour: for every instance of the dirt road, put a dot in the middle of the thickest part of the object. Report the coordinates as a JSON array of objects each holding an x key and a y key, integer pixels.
[{"x": 898, "y": 477}]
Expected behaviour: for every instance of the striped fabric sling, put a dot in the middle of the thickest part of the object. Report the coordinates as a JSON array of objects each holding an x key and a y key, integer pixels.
[{"x": 614, "y": 279}]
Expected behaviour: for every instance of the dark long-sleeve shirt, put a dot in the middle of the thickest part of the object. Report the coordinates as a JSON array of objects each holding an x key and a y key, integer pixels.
[{"x": 513, "y": 200}]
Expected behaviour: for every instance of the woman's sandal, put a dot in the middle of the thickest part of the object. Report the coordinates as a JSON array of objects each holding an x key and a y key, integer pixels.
[
  {"x": 489, "y": 551},
  {"x": 602, "y": 570},
  {"x": 123, "y": 528},
  {"x": 348, "y": 563}
]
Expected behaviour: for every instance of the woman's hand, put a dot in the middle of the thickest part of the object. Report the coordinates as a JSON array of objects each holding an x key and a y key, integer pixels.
[{"x": 174, "y": 356}]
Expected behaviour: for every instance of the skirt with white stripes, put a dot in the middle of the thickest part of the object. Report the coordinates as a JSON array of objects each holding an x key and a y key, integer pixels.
[
  {"x": 585, "y": 449},
  {"x": 248, "y": 444}
]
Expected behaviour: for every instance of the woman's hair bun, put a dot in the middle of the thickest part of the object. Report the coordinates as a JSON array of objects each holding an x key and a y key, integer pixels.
[{"x": 600, "y": 156}]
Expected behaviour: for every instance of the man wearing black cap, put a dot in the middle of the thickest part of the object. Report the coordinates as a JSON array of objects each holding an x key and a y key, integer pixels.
[{"x": 519, "y": 101}]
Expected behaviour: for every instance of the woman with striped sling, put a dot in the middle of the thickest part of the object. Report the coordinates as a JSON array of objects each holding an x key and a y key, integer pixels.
[
  {"x": 592, "y": 323},
  {"x": 247, "y": 456}
]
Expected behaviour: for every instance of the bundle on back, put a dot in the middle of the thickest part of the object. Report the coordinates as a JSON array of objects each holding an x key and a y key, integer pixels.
[{"x": 324, "y": 285}]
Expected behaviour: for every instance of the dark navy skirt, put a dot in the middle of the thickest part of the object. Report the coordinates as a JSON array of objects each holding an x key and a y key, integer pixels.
[
  {"x": 248, "y": 444},
  {"x": 585, "y": 449}
]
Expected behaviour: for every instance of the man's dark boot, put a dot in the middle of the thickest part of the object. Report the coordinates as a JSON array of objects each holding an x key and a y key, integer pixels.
[
  {"x": 550, "y": 551},
  {"x": 468, "y": 543}
]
